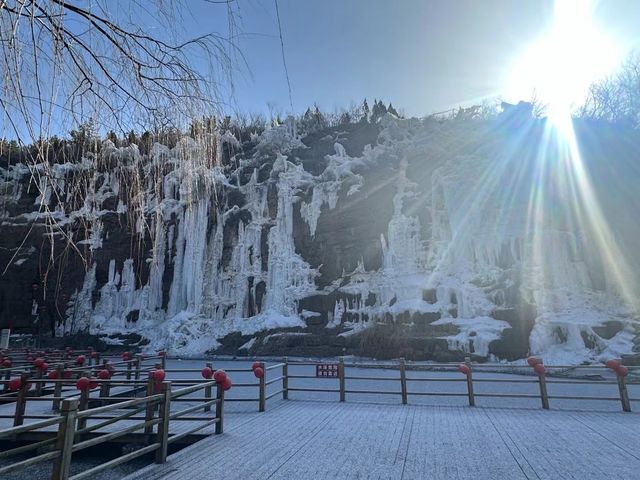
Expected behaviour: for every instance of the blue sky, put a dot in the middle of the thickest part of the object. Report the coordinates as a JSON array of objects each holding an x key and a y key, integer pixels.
[{"x": 422, "y": 55}]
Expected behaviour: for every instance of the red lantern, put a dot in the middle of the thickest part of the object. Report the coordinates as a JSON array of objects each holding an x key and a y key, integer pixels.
[
  {"x": 256, "y": 365},
  {"x": 38, "y": 361},
  {"x": 93, "y": 384},
  {"x": 539, "y": 368},
  {"x": 258, "y": 372},
  {"x": 622, "y": 371},
  {"x": 52, "y": 375},
  {"x": 83, "y": 383},
  {"x": 533, "y": 361},
  {"x": 226, "y": 385},
  {"x": 612, "y": 364},
  {"x": 80, "y": 360},
  {"x": 126, "y": 356},
  {"x": 104, "y": 374},
  {"x": 464, "y": 369},
  {"x": 15, "y": 384},
  {"x": 207, "y": 373},
  {"x": 158, "y": 375},
  {"x": 219, "y": 376},
  {"x": 7, "y": 363},
  {"x": 43, "y": 367}
]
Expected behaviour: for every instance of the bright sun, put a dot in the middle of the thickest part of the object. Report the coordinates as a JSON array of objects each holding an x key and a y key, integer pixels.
[{"x": 560, "y": 66}]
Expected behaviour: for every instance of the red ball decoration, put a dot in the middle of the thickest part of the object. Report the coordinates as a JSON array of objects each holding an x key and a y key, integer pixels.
[
  {"x": 219, "y": 376},
  {"x": 104, "y": 374},
  {"x": 7, "y": 363},
  {"x": 207, "y": 373},
  {"x": 539, "y": 368},
  {"x": 622, "y": 371},
  {"x": 533, "y": 361},
  {"x": 162, "y": 353},
  {"x": 43, "y": 367},
  {"x": 52, "y": 375},
  {"x": 94, "y": 354},
  {"x": 258, "y": 372},
  {"x": 158, "y": 375},
  {"x": 226, "y": 385},
  {"x": 15, "y": 384},
  {"x": 30, "y": 358},
  {"x": 464, "y": 369},
  {"x": 38, "y": 361},
  {"x": 83, "y": 383},
  {"x": 256, "y": 365},
  {"x": 93, "y": 384},
  {"x": 81, "y": 359},
  {"x": 126, "y": 355},
  {"x": 612, "y": 364}
]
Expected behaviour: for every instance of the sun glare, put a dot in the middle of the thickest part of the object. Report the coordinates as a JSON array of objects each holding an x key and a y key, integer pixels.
[{"x": 560, "y": 66}]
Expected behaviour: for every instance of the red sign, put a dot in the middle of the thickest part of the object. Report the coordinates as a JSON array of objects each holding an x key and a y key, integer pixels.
[{"x": 327, "y": 370}]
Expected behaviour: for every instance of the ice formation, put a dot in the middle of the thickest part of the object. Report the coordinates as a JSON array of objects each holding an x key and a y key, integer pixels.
[{"x": 227, "y": 275}]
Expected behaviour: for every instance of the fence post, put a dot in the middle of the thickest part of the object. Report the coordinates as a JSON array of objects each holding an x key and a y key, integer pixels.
[
  {"x": 64, "y": 439},
  {"x": 21, "y": 401},
  {"x": 472, "y": 398},
  {"x": 220, "y": 409},
  {"x": 543, "y": 390},
  {"x": 138, "y": 365},
  {"x": 150, "y": 405},
  {"x": 624, "y": 394},
  {"x": 38, "y": 389},
  {"x": 285, "y": 378},
  {"x": 129, "y": 363},
  {"x": 57, "y": 387},
  {"x": 163, "y": 361},
  {"x": 207, "y": 389},
  {"x": 341, "y": 378},
  {"x": 105, "y": 390},
  {"x": 403, "y": 381},
  {"x": 7, "y": 377},
  {"x": 84, "y": 403},
  {"x": 263, "y": 381},
  {"x": 163, "y": 426}
]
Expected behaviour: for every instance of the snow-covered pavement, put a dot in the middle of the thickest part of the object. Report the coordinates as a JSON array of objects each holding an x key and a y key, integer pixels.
[{"x": 327, "y": 440}]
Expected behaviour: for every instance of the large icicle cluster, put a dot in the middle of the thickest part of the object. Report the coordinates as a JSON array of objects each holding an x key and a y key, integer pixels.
[{"x": 215, "y": 267}]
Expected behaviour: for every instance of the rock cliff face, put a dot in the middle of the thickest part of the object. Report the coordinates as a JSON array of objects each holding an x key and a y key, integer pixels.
[{"x": 422, "y": 238}]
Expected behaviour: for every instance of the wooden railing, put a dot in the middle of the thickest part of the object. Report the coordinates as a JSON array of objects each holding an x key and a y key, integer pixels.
[
  {"x": 541, "y": 379},
  {"x": 144, "y": 413}
]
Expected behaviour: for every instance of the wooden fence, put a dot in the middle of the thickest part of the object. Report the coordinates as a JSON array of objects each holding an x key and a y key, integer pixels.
[
  {"x": 541, "y": 379},
  {"x": 78, "y": 428}
]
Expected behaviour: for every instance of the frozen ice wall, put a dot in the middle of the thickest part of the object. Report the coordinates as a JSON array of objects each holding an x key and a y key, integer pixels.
[{"x": 476, "y": 227}]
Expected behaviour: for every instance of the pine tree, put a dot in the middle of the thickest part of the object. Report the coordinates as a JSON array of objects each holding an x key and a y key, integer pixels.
[
  {"x": 366, "y": 113},
  {"x": 392, "y": 110}
]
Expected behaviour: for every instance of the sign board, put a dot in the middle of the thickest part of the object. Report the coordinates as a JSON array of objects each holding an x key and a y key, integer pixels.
[
  {"x": 4, "y": 338},
  {"x": 327, "y": 370}
]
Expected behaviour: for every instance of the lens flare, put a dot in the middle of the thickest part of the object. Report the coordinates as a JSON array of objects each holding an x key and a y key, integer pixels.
[{"x": 560, "y": 66}]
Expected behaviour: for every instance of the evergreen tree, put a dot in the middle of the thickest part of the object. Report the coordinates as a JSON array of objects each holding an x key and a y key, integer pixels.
[
  {"x": 365, "y": 112},
  {"x": 378, "y": 111},
  {"x": 392, "y": 110},
  {"x": 319, "y": 121}
]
